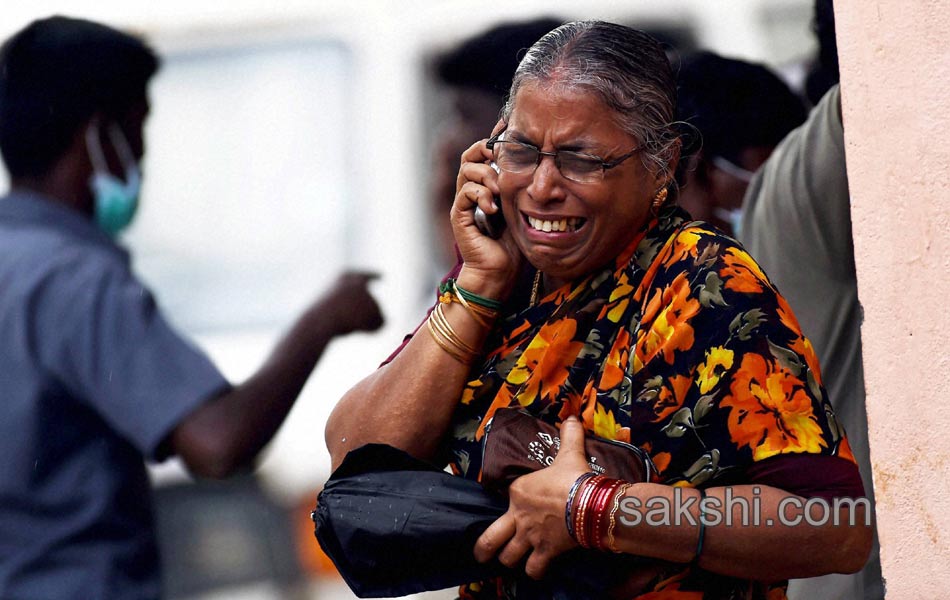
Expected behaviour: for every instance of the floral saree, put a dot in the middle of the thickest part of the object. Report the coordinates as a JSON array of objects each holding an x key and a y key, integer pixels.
[{"x": 681, "y": 346}]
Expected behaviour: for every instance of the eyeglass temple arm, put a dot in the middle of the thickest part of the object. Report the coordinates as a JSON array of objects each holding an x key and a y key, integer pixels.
[{"x": 617, "y": 161}]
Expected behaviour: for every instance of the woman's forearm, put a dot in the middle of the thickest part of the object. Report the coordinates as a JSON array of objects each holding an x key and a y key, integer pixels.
[
  {"x": 408, "y": 403},
  {"x": 767, "y": 536}
]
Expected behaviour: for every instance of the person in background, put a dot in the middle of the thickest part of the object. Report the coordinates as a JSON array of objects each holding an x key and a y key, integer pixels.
[
  {"x": 823, "y": 73},
  {"x": 797, "y": 211},
  {"x": 477, "y": 74},
  {"x": 93, "y": 377},
  {"x": 797, "y": 220},
  {"x": 740, "y": 111}
]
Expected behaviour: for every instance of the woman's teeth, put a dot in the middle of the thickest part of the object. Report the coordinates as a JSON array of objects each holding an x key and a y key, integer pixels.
[{"x": 570, "y": 224}]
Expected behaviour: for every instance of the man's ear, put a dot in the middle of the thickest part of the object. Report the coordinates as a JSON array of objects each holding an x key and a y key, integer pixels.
[
  {"x": 90, "y": 127},
  {"x": 77, "y": 153},
  {"x": 72, "y": 171}
]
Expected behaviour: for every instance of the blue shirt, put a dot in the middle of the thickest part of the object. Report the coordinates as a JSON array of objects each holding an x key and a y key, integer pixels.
[{"x": 92, "y": 379}]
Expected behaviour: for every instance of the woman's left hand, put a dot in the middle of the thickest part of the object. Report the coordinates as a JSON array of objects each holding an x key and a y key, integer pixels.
[{"x": 534, "y": 525}]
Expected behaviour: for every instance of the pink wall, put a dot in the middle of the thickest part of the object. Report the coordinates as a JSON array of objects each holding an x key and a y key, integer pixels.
[{"x": 895, "y": 72}]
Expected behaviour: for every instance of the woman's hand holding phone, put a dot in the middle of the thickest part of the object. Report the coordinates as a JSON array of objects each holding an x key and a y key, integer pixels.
[
  {"x": 491, "y": 225},
  {"x": 491, "y": 261}
]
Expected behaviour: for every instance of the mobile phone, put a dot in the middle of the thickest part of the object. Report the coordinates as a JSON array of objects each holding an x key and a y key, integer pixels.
[{"x": 491, "y": 225}]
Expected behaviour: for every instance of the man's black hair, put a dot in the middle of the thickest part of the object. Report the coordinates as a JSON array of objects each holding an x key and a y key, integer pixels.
[
  {"x": 488, "y": 61},
  {"x": 55, "y": 74},
  {"x": 734, "y": 105}
]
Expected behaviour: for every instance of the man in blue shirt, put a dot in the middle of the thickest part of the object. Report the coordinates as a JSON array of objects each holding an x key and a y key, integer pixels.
[{"x": 92, "y": 377}]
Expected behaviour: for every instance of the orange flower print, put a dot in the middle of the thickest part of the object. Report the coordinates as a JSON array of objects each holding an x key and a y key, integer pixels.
[
  {"x": 661, "y": 461},
  {"x": 741, "y": 273},
  {"x": 684, "y": 246},
  {"x": 668, "y": 314},
  {"x": 596, "y": 418},
  {"x": 672, "y": 396},
  {"x": 468, "y": 392},
  {"x": 637, "y": 363},
  {"x": 585, "y": 407},
  {"x": 571, "y": 402},
  {"x": 844, "y": 450},
  {"x": 512, "y": 340},
  {"x": 771, "y": 412},
  {"x": 502, "y": 399},
  {"x": 717, "y": 361},
  {"x": 786, "y": 316},
  {"x": 606, "y": 426},
  {"x": 616, "y": 364},
  {"x": 801, "y": 344},
  {"x": 619, "y": 300},
  {"x": 804, "y": 348},
  {"x": 543, "y": 367}
]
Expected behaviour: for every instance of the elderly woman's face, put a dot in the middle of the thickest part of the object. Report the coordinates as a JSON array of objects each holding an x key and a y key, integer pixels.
[{"x": 601, "y": 218}]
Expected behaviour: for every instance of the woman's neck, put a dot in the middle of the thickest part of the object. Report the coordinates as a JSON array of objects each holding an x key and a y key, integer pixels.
[{"x": 545, "y": 284}]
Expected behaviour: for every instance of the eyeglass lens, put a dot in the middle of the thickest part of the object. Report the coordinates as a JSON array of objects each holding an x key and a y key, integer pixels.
[{"x": 516, "y": 157}]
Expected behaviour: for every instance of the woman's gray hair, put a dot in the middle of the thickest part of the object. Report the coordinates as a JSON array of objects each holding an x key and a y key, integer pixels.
[{"x": 625, "y": 67}]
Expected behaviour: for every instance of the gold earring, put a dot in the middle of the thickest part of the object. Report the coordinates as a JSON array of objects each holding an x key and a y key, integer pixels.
[{"x": 659, "y": 199}]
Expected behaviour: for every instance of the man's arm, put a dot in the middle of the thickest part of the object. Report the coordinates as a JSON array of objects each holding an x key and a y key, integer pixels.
[{"x": 225, "y": 433}]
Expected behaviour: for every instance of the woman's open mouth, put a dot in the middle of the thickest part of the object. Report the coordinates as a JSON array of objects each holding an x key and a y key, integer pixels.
[{"x": 565, "y": 225}]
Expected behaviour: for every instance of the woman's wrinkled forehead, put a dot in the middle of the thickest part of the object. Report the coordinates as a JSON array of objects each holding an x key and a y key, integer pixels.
[{"x": 561, "y": 102}]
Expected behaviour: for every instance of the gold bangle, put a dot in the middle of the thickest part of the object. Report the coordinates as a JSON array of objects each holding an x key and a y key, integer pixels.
[
  {"x": 611, "y": 542},
  {"x": 444, "y": 335},
  {"x": 467, "y": 361},
  {"x": 480, "y": 309},
  {"x": 468, "y": 307},
  {"x": 481, "y": 314},
  {"x": 448, "y": 332}
]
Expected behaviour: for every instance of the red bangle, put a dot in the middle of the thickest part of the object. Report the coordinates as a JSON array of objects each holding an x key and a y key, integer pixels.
[
  {"x": 593, "y": 519},
  {"x": 601, "y": 513},
  {"x": 612, "y": 523},
  {"x": 582, "y": 515}
]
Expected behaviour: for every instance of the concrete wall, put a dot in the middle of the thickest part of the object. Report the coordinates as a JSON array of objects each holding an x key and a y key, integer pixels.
[{"x": 895, "y": 71}]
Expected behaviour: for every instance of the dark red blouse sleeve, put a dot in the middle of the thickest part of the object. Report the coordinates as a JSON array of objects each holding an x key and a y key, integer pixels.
[{"x": 809, "y": 475}]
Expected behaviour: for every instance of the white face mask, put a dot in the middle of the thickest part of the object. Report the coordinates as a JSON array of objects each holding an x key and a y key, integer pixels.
[
  {"x": 727, "y": 166},
  {"x": 115, "y": 201},
  {"x": 733, "y": 216}
]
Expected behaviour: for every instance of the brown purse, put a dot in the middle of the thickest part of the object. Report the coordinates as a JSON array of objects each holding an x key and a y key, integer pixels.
[{"x": 516, "y": 443}]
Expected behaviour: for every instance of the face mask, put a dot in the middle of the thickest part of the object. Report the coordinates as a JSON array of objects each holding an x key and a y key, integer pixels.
[
  {"x": 727, "y": 166},
  {"x": 115, "y": 201},
  {"x": 733, "y": 216}
]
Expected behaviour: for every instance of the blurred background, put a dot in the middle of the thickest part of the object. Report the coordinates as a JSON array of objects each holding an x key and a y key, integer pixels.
[{"x": 291, "y": 139}]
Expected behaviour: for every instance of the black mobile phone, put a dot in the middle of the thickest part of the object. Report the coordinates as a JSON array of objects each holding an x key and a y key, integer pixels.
[{"x": 491, "y": 225}]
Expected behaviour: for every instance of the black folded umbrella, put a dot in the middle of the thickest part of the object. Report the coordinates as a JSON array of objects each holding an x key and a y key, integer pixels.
[{"x": 394, "y": 525}]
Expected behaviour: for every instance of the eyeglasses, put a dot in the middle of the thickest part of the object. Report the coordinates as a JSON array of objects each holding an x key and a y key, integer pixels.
[{"x": 518, "y": 157}]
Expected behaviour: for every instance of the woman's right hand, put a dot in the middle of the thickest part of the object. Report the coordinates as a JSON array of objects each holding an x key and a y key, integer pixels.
[{"x": 491, "y": 266}]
